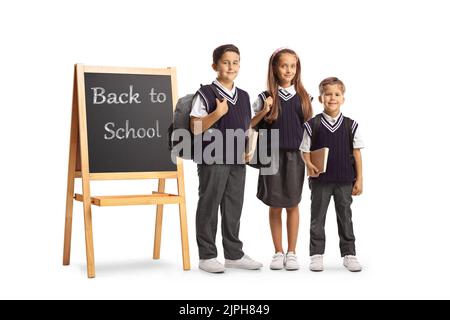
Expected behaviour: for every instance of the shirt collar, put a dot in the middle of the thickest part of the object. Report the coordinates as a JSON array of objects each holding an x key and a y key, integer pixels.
[
  {"x": 221, "y": 86},
  {"x": 290, "y": 89},
  {"x": 331, "y": 119}
]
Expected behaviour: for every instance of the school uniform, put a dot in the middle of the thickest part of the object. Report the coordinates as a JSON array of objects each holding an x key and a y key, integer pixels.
[
  {"x": 222, "y": 182},
  {"x": 337, "y": 181},
  {"x": 283, "y": 189}
]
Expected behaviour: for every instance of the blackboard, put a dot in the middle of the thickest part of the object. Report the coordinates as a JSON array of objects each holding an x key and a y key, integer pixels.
[{"x": 127, "y": 120}]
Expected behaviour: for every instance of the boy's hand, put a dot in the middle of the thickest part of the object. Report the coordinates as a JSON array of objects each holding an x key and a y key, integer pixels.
[
  {"x": 312, "y": 170},
  {"x": 222, "y": 107},
  {"x": 357, "y": 188},
  {"x": 267, "y": 105}
]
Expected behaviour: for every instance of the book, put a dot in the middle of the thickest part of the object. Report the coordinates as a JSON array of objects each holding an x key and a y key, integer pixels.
[
  {"x": 319, "y": 158},
  {"x": 250, "y": 147}
]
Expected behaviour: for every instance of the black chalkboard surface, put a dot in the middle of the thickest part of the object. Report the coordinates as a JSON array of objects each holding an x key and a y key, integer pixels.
[{"x": 127, "y": 120}]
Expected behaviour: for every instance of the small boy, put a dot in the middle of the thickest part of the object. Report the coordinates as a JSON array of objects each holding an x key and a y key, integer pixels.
[{"x": 343, "y": 177}]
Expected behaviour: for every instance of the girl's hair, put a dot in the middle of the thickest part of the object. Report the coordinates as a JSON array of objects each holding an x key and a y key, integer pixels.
[
  {"x": 219, "y": 51},
  {"x": 272, "y": 87},
  {"x": 331, "y": 81}
]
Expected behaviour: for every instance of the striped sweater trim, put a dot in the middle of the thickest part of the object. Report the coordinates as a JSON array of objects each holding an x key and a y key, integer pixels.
[
  {"x": 308, "y": 129},
  {"x": 332, "y": 127},
  {"x": 354, "y": 127},
  {"x": 205, "y": 101},
  {"x": 231, "y": 99}
]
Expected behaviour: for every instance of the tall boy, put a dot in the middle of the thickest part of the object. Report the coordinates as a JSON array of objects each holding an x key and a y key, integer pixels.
[{"x": 222, "y": 182}]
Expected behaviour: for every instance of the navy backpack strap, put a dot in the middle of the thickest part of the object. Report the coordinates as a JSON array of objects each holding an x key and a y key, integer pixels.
[
  {"x": 348, "y": 127},
  {"x": 216, "y": 94},
  {"x": 315, "y": 129},
  {"x": 214, "y": 90},
  {"x": 348, "y": 123}
]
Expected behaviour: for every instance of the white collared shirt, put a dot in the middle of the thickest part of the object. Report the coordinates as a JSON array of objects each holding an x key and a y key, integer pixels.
[
  {"x": 258, "y": 104},
  {"x": 306, "y": 141},
  {"x": 198, "y": 105}
]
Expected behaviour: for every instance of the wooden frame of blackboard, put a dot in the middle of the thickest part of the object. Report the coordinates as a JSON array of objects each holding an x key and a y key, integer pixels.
[{"x": 79, "y": 168}]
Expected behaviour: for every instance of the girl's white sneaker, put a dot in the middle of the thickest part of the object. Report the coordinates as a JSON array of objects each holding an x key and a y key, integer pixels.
[
  {"x": 291, "y": 261},
  {"x": 277, "y": 261}
]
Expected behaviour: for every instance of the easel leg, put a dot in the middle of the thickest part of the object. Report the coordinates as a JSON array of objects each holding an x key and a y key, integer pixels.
[
  {"x": 158, "y": 223},
  {"x": 74, "y": 140},
  {"x": 68, "y": 224},
  {"x": 183, "y": 218},
  {"x": 184, "y": 236},
  {"x": 84, "y": 158},
  {"x": 89, "y": 240}
]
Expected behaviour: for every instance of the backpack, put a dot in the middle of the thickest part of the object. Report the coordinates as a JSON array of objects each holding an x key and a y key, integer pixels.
[{"x": 182, "y": 119}]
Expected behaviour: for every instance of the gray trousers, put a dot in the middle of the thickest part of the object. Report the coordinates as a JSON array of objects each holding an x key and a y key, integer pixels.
[
  {"x": 321, "y": 193},
  {"x": 220, "y": 185}
]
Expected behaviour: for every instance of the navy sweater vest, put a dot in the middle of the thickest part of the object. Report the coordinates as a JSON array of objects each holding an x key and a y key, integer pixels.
[
  {"x": 238, "y": 117},
  {"x": 336, "y": 138},
  {"x": 290, "y": 120}
]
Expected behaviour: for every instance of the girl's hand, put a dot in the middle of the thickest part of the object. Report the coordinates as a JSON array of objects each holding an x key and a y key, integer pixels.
[
  {"x": 312, "y": 170},
  {"x": 357, "y": 188},
  {"x": 222, "y": 107},
  {"x": 267, "y": 105}
]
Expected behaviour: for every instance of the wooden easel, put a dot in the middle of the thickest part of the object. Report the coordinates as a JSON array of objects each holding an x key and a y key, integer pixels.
[{"x": 79, "y": 168}]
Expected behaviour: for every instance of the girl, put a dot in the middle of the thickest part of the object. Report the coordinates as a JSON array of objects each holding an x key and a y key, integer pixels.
[{"x": 285, "y": 106}]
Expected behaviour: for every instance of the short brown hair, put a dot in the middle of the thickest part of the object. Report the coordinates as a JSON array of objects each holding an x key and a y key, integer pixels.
[
  {"x": 331, "y": 81},
  {"x": 219, "y": 51}
]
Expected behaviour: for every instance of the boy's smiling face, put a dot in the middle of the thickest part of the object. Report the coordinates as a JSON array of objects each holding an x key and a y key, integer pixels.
[
  {"x": 332, "y": 98},
  {"x": 227, "y": 67}
]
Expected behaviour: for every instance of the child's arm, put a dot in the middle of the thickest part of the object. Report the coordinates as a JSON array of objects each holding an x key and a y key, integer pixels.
[
  {"x": 358, "y": 186},
  {"x": 312, "y": 169},
  {"x": 305, "y": 148},
  {"x": 260, "y": 115},
  {"x": 200, "y": 125}
]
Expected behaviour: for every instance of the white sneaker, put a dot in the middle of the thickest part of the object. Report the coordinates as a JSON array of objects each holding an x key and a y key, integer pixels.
[
  {"x": 243, "y": 263},
  {"x": 211, "y": 265},
  {"x": 277, "y": 261},
  {"x": 316, "y": 263},
  {"x": 291, "y": 262},
  {"x": 352, "y": 264}
]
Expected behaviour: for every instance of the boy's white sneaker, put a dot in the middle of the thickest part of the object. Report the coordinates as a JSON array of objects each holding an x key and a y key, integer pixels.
[
  {"x": 316, "y": 263},
  {"x": 243, "y": 263},
  {"x": 277, "y": 261},
  {"x": 352, "y": 264},
  {"x": 211, "y": 265},
  {"x": 291, "y": 262}
]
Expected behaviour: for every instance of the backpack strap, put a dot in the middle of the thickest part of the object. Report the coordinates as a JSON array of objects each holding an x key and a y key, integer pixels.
[
  {"x": 315, "y": 128},
  {"x": 214, "y": 90},
  {"x": 348, "y": 127},
  {"x": 264, "y": 95},
  {"x": 216, "y": 94}
]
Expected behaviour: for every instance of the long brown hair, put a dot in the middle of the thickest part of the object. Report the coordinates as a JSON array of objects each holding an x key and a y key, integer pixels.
[{"x": 272, "y": 87}]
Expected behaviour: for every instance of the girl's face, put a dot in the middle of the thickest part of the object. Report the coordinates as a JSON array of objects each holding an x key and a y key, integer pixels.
[
  {"x": 286, "y": 69},
  {"x": 332, "y": 98},
  {"x": 227, "y": 67}
]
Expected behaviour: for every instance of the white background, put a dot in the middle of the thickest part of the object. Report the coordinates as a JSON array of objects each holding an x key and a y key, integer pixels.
[{"x": 393, "y": 57}]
